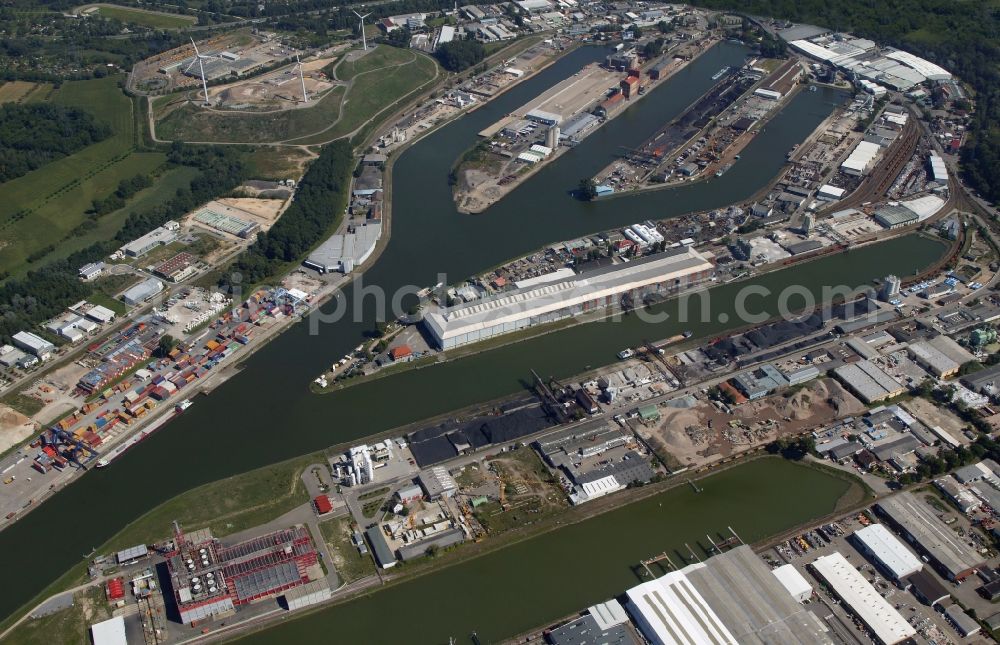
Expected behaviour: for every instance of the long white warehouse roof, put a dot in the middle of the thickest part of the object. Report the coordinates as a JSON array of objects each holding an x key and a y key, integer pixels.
[
  {"x": 885, "y": 623},
  {"x": 925, "y": 67},
  {"x": 888, "y": 550},
  {"x": 519, "y": 304}
]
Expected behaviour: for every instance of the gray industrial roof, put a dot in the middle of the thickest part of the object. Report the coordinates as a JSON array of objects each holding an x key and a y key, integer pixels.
[
  {"x": 869, "y": 381},
  {"x": 752, "y": 603},
  {"x": 585, "y": 631},
  {"x": 380, "y": 547},
  {"x": 919, "y": 520}
]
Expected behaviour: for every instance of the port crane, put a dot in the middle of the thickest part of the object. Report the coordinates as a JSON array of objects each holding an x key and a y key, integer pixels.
[{"x": 78, "y": 446}]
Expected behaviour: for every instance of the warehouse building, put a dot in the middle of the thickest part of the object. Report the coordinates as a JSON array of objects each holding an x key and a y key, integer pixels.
[
  {"x": 660, "y": 274},
  {"x": 886, "y": 624},
  {"x": 932, "y": 359},
  {"x": 888, "y": 552},
  {"x": 730, "y": 598},
  {"x": 380, "y": 547},
  {"x": 345, "y": 252},
  {"x": 91, "y": 271},
  {"x": 926, "y": 588},
  {"x": 869, "y": 381},
  {"x": 915, "y": 520},
  {"x": 963, "y": 622},
  {"x": 604, "y": 624},
  {"x": 860, "y": 160},
  {"x": 892, "y": 217},
  {"x": 109, "y": 632},
  {"x": 33, "y": 344},
  {"x": 571, "y": 444},
  {"x": 437, "y": 482},
  {"x": 142, "y": 292}
]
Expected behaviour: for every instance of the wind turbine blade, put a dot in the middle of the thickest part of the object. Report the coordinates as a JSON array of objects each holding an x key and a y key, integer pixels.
[{"x": 196, "y": 52}]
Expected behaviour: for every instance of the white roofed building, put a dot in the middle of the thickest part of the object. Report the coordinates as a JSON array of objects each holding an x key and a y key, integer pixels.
[
  {"x": 888, "y": 551},
  {"x": 513, "y": 310},
  {"x": 793, "y": 582},
  {"x": 886, "y": 625}
]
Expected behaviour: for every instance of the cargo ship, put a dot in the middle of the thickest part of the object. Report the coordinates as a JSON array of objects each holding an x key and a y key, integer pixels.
[{"x": 123, "y": 447}]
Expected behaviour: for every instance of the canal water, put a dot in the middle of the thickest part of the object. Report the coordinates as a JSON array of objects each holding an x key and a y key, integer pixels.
[
  {"x": 267, "y": 413},
  {"x": 534, "y": 582}
]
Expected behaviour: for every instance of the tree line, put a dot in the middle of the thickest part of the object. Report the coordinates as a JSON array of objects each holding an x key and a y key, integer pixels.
[
  {"x": 959, "y": 36},
  {"x": 319, "y": 201},
  {"x": 35, "y": 134}
]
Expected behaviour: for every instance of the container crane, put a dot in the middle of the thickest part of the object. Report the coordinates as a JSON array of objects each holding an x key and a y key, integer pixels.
[{"x": 79, "y": 446}]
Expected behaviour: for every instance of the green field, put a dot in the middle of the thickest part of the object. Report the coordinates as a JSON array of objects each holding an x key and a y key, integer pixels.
[
  {"x": 44, "y": 207},
  {"x": 377, "y": 93},
  {"x": 379, "y": 81},
  {"x": 152, "y": 19}
]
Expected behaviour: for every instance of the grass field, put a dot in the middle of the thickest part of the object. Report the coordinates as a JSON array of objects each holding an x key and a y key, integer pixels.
[
  {"x": 347, "y": 560},
  {"x": 380, "y": 80},
  {"x": 43, "y": 207},
  {"x": 152, "y": 19},
  {"x": 70, "y": 625}
]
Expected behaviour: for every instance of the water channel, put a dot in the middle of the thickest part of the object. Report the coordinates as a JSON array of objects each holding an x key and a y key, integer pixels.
[{"x": 266, "y": 413}]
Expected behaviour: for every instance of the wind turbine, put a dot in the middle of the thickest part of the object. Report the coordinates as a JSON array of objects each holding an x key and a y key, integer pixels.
[
  {"x": 305, "y": 97},
  {"x": 200, "y": 59},
  {"x": 361, "y": 19}
]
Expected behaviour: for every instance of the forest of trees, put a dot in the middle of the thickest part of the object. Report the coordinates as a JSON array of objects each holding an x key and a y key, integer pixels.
[
  {"x": 960, "y": 36},
  {"x": 460, "y": 55},
  {"x": 319, "y": 201},
  {"x": 36, "y": 134}
]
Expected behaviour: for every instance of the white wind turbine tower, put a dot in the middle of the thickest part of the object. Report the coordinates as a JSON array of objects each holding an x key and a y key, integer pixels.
[
  {"x": 200, "y": 59},
  {"x": 361, "y": 19},
  {"x": 305, "y": 97}
]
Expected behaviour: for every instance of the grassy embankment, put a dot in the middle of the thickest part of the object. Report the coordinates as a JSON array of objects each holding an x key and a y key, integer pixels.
[{"x": 381, "y": 79}]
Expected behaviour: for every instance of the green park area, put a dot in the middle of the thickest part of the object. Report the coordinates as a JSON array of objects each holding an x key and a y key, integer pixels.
[{"x": 374, "y": 85}]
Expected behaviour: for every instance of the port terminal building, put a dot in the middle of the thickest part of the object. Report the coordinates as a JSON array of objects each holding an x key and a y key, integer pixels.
[{"x": 656, "y": 275}]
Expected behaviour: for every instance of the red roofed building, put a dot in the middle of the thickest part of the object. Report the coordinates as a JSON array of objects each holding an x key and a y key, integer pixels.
[
  {"x": 322, "y": 504},
  {"x": 403, "y": 351},
  {"x": 630, "y": 86},
  {"x": 498, "y": 282},
  {"x": 735, "y": 395},
  {"x": 115, "y": 589}
]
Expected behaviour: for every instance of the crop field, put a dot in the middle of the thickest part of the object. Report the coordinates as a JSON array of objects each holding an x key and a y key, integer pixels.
[
  {"x": 43, "y": 207},
  {"x": 152, "y": 19},
  {"x": 377, "y": 82}
]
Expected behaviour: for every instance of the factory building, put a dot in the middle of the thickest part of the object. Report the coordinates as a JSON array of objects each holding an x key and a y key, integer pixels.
[
  {"x": 869, "y": 381},
  {"x": 91, "y": 271},
  {"x": 543, "y": 117},
  {"x": 211, "y": 579},
  {"x": 660, "y": 274},
  {"x": 886, "y": 625},
  {"x": 890, "y": 288},
  {"x": 888, "y": 552},
  {"x": 730, "y": 598},
  {"x": 380, "y": 547},
  {"x": 35, "y": 345},
  {"x": 606, "y": 623},
  {"x": 915, "y": 520},
  {"x": 939, "y": 171}
]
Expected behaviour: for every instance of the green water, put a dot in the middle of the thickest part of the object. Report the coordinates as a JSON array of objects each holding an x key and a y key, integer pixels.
[{"x": 531, "y": 583}]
